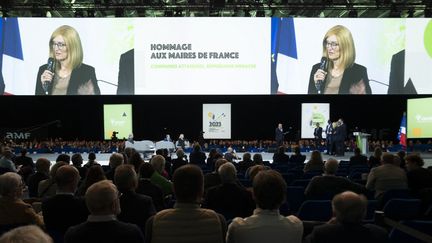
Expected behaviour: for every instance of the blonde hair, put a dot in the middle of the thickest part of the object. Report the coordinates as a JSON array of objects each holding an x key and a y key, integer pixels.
[
  {"x": 346, "y": 45},
  {"x": 73, "y": 45}
]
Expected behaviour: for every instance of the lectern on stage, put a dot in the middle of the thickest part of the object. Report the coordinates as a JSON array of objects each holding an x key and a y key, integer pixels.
[{"x": 362, "y": 141}]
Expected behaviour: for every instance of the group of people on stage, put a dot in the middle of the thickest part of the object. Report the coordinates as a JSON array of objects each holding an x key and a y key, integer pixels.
[{"x": 336, "y": 133}]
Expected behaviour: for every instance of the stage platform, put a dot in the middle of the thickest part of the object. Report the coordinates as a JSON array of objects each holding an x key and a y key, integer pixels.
[{"x": 103, "y": 158}]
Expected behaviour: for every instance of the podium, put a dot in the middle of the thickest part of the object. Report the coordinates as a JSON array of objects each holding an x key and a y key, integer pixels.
[{"x": 362, "y": 141}]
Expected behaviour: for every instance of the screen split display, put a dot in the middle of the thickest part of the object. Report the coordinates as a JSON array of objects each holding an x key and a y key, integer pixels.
[{"x": 244, "y": 56}]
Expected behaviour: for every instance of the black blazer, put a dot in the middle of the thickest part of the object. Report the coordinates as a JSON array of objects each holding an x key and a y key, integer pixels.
[
  {"x": 136, "y": 208},
  {"x": 318, "y": 132},
  {"x": 63, "y": 211},
  {"x": 126, "y": 78},
  {"x": 352, "y": 75},
  {"x": 79, "y": 76},
  {"x": 112, "y": 231},
  {"x": 356, "y": 233}
]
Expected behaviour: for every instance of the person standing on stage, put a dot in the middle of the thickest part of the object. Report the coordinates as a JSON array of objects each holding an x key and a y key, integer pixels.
[
  {"x": 279, "y": 135},
  {"x": 318, "y": 135},
  {"x": 340, "y": 132},
  {"x": 329, "y": 134}
]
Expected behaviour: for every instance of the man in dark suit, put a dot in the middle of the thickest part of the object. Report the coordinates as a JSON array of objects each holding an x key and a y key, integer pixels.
[
  {"x": 229, "y": 198},
  {"x": 340, "y": 135},
  {"x": 135, "y": 208},
  {"x": 102, "y": 199},
  {"x": 318, "y": 135},
  {"x": 126, "y": 78},
  {"x": 349, "y": 209},
  {"x": 64, "y": 209},
  {"x": 329, "y": 134},
  {"x": 279, "y": 135}
]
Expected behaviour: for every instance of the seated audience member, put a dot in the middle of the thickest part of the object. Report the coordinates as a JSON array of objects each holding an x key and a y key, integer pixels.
[
  {"x": 315, "y": 163},
  {"x": 229, "y": 199},
  {"x": 91, "y": 160},
  {"x": 358, "y": 159},
  {"x": 167, "y": 156},
  {"x": 257, "y": 159},
  {"x": 197, "y": 157},
  {"x": 187, "y": 222},
  {"x": 213, "y": 179},
  {"x": 280, "y": 157},
  {"x": 48, "y": 187},
  {"x": 386, "y": 177},
  {"x": 244, "y": 165},
  {"x": 136, "y": 160},
  {"x": 401, "y": 154},
  {"x": 375, "y": 159},
  {"x": 6, "y": 161},
  {"x": 214, "y": 155},
  {"x": 135, "y": 208},
  {"x": 179, "y": 161},
  {"x": 328, "y": 185},
  {"x": 77, "y": 162},
  {"x": 158, "y": 163},
  {"x": 297, "y": 158},
  {"x": 349, "y": 209},
  {"x": 230, "y": 155},
  {"x": 266, "y": 224},
  {"x": 42, "y": 173},
  {"x": 64, "y": 158},
  {"x": 252, "y": 171},
  {"x": 64, "y": 209},
  {"x": 418, "y": 177},
  {"x": 146, "y": 187},
  {"x": 95, "y": 173},
  {"x": 115, "y": 160},
  {"x": 102, "y": 199},
  {"x": 25, "y": 165},
  {"x": 26, "y": 234},
  {"x": 13, "y": 210}
]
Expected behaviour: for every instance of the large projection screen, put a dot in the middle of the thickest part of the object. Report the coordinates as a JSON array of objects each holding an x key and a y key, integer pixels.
[
  {"x": 311, "y": 114},
  {"x": 117, "y": 118},
  {"x": 217, "y": 121},
  {"x": 238, "y": 56},
  {"x": 419, "y": 116}
]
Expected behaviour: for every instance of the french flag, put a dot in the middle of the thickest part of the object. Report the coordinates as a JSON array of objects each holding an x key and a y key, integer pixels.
[
  {"x": 402, "y": 131},
  {"x": 284, "y": 59},
  {"x": 10, "y": 45}
]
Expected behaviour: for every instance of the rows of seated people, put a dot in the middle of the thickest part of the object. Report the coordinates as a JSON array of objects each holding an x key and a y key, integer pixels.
[
  {"x": 305, "y": 145},
  {"x": 211, "y": 199}
]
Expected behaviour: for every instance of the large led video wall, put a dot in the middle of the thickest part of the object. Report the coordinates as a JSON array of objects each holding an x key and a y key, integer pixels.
[{"x": 215, "y": 56}]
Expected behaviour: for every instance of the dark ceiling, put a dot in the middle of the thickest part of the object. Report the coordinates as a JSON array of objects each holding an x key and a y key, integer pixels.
[{"x": 222, "y": 8}]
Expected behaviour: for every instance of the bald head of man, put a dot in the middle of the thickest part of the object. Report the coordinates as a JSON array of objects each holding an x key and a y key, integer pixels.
[{"x": 349, "y": 207}]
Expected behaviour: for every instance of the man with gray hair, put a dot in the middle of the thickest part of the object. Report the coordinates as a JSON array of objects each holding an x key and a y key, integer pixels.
[
  {"x": 386, "y": 177},
  {"x": 158, "y": 164},
  {"x": 328, "y": 185},
  {"x": 349, "y": 209},
  {"x": 229, "y": 199},
  {"x": 102, "y": 199},
  {"x": 64, "y": 209},
  {"x": 26, "y": 234},
  {"x": 6, "y": 160}
]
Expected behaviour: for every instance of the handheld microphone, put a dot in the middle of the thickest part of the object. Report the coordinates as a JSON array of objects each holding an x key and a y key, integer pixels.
[
  {"x": 50, "y": 67},
  {"x": 323, "y": 66}
]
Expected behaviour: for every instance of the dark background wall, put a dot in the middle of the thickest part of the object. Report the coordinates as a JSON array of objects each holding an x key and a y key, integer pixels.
[{"x": 253, "y": 117}]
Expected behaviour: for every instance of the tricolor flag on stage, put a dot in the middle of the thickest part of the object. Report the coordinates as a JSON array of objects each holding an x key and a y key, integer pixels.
[
  {"x": 402, "y": 131},
  {"x": 284, "y": 56},
  {"x": 10, "y": 44}
]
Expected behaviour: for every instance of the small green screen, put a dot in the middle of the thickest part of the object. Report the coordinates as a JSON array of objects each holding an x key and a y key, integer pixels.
[
  {"x": 419, "y": 115},
  {"x": 117, "y": 118}
]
